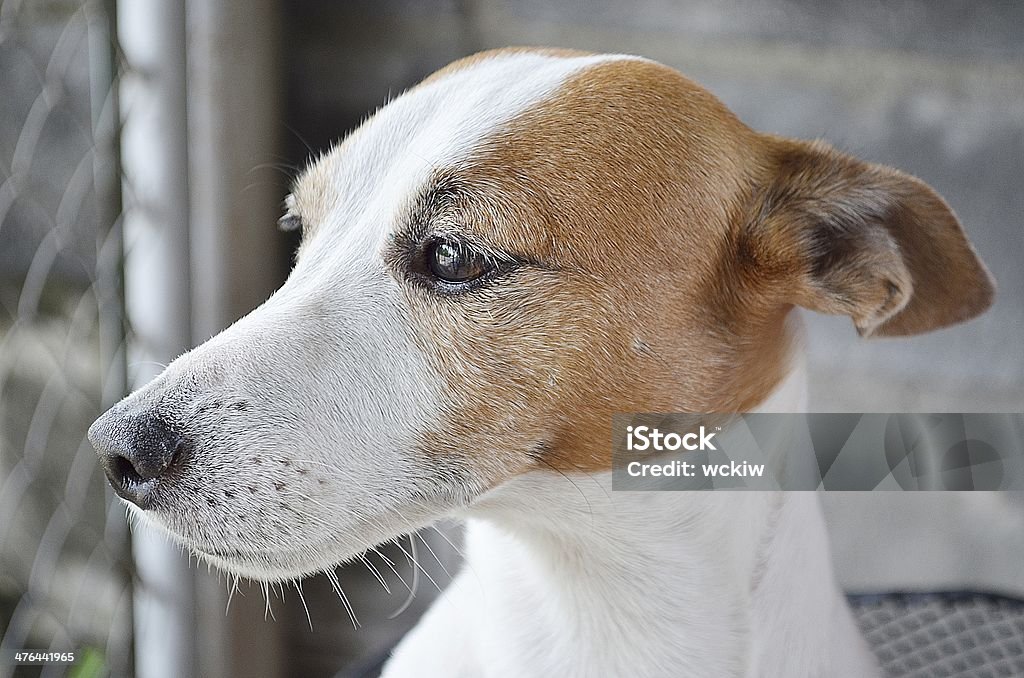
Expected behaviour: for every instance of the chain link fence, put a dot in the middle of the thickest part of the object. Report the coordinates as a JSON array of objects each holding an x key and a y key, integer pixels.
[{"x": 65, "y": 566}]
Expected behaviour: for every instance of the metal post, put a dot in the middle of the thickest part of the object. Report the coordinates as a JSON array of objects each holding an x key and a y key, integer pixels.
[
  {"x": 201, "y": 252},
  {"x": 157, "y": 298},
  {"x": 234, "y": 127}
]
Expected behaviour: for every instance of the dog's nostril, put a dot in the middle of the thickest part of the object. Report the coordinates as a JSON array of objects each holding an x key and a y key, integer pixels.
[{"x": 124, "y": 470}]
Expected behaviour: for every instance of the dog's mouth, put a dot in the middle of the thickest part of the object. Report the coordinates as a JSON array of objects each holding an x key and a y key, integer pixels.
[
  {"x": 289, "y": 558},
  {"x": 259, "y": 545},
  {"x": 227, "y": 553},
  {"x": 248, "y": 555}
]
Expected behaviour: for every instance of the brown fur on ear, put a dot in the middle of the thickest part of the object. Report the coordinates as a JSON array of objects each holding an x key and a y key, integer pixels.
[{"x": 852, "y": 238}]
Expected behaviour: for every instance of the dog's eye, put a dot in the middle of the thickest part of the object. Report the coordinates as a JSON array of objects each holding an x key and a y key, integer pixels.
[
  {"x": 289, "y": 222},
  {"x": 455, "y": 262}
]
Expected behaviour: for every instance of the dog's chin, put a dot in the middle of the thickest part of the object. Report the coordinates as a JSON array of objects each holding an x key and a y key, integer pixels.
[
  {"x": 275, "y": 567},
  {"x": 281, "y": 563},
  {"x": 289, "y": 559},
  {"x": 268, "y": 557}
]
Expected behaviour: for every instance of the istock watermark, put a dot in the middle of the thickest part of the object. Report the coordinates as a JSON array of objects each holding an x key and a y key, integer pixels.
[
  {"x": 867, "y": 451},
  {"x": 643, "y": 438}
]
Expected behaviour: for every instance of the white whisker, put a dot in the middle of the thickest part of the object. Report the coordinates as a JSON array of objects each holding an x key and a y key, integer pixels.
[
  {"x": 298, "y": 587},
  {"x": 332, "y": 576},
  {"x": 415, "y": 579},
  {"x": 376, "y": 573},
  {"x": 427, "y": 544}
]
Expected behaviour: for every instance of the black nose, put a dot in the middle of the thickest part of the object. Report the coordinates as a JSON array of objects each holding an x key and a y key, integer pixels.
[{"x": 136, "y": 452}]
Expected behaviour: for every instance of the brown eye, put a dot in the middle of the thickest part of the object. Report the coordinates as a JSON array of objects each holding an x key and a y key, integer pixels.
[{"x": 454, "y": 262}]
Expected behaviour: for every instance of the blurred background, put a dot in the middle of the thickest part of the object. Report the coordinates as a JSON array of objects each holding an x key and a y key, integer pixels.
[{"x": 145, "y": 149}]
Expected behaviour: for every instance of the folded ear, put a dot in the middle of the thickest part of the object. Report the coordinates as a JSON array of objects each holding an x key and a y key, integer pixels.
[{"x": 852, "y": 238}]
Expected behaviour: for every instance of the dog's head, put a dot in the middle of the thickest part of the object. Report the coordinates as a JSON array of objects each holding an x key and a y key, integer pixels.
[{"x": 492, "y": 265}]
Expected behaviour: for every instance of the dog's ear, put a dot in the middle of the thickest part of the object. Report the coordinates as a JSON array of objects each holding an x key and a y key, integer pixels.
[{"x": 841, "y": 236}]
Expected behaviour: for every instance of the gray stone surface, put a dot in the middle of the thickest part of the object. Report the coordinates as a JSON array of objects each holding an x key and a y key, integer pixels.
[{"x": 956, "y": 28}]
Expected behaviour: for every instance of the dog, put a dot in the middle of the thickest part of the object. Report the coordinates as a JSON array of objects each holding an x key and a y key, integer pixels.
[{"x": 498, "y": 260}]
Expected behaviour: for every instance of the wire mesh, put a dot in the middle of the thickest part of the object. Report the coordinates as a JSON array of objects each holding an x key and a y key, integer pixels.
[
  {"x": 65, "y": 568},
  {"x": 944, "y": 635}
]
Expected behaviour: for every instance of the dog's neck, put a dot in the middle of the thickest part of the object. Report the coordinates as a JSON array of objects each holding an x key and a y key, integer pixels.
[
  {"x": 571, "y": 577},
  {"x": 581, "y": 580}
]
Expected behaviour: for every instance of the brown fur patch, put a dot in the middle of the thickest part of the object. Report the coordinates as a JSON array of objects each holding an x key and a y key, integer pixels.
[{"x": 625, "y": 187}]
